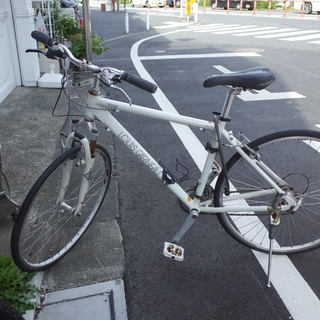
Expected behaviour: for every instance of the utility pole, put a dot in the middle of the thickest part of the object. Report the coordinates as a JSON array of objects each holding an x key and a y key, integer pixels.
[{"x": 87, "y": 28}]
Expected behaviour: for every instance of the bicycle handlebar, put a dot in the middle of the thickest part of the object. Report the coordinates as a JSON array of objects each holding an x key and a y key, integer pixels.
[
  {"x": 139, "y": 82},
  {"x": 44, "y": 38},
  {"x": 56, "y": 50}
]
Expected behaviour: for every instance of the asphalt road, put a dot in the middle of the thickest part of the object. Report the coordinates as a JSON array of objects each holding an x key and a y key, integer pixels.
[{"x": 219, "y": 279}]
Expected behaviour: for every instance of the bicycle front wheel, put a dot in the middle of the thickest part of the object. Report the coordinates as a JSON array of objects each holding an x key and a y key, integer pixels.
[
  {"x": 9, "y": 313},
  {"x": 295, "y": 157},
  {"x": 45, "y": 230}
]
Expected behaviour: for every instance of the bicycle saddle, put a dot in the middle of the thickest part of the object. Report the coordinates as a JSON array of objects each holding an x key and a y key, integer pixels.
[{"x": 256, "y": 78}]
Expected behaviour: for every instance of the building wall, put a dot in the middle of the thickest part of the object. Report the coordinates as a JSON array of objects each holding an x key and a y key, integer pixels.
[{"x": 16, "y": 67}]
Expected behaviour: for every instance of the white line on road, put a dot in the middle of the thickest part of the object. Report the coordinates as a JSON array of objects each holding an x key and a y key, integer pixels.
[
  {"x": 286, "y": 34},
  {"x": 306, "y": 37},
  {"x": 223, "y": 27},
  {"x": 236, "y": 30},
  {"x": 255, "y": 32},
  {"x": 201, "y": 56},
  {"x": 298, "y": 297}
]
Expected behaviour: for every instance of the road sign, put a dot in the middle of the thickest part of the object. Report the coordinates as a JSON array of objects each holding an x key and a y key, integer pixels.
[{"x": 188, "y": 7}]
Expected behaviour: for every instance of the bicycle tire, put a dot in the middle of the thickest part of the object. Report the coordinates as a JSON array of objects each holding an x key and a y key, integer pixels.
[
  {"x": 43, "y": 231},
  {"x": 7, "y": 312},
  {"x": 294, "y": 156}
]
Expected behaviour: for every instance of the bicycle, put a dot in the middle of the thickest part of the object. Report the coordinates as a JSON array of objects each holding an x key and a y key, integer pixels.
[{"x": 265, "y": 196}]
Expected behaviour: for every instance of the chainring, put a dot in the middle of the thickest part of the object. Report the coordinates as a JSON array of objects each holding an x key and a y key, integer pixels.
[{"x": 191, "y": 191}]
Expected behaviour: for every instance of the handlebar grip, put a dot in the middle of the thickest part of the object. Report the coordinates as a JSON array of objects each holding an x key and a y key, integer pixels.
[
  {"x": 139, "y": 82},
  {"x": 44, "y": 38}
]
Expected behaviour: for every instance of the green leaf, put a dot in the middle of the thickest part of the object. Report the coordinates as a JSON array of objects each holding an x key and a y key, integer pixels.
[{"x": 14, "y": 286}]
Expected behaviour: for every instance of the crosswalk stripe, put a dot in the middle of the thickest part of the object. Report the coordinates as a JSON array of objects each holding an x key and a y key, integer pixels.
[
  {"x": 212, "y": 25},
  {"x": 218, "y": 28},
  {"x": 307, "y": 37},
  {"x": 264, "y": 30},
  {"x": 235, "y": 29},
  {"x": 168, "y": 25},
  {"x": 286, "y": 34}
]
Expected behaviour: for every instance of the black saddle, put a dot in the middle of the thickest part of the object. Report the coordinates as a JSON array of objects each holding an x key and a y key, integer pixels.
[{"x": 255, "y": 78}]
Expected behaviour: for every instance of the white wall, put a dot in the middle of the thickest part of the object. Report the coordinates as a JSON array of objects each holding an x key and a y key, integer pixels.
[{"x": 16, "y": 67}]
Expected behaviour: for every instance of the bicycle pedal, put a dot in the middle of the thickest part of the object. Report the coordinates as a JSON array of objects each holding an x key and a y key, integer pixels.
[{"x": 173, "y": 251}]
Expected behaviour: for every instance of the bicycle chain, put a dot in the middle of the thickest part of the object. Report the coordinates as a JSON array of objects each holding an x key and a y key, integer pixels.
[{"x": 208, "y": 195}]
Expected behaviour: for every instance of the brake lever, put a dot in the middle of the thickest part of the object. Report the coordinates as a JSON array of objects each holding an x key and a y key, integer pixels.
[
  {"x": 35, "y": 50},
  {"x": 54, "y": 52}
]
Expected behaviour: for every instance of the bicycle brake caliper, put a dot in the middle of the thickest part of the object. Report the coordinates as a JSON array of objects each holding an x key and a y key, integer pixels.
[{"x": 173, "y": 251}]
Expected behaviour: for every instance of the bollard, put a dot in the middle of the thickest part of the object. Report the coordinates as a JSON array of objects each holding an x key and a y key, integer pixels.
[
  {"x": 254, "y": 8},
  {"x": 195, "y": 9},
  {"x": 126, "y": 17},
  {"x": 148, "y": 21},
  {"x": 269, "y": 7}
]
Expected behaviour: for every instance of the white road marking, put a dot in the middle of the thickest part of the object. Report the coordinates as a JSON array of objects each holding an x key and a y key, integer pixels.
[
  {"x": 306, "y": 37},
  {"x": 298, "y": 297},
  {"x": 167, "y": 25},
  {"x": 205, "y": 27},
  {"x": 286, "y": 34},
  {"x": 223, "y": 27},
  {"x": 236, "y": 30},
  {"x": 255, "y": 32},
  {"x": 201, "y": 56}
]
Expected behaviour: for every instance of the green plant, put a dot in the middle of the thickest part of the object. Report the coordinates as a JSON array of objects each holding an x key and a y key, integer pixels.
[
  {"x": 204, "y": 2},
  {"x": 69, "y": 29},
  {"x": 14, "y": 288},
  {"x": 78, "y": 48},
  {"x": 66, "y": 26},
  {"x": 263, "y": 5}
]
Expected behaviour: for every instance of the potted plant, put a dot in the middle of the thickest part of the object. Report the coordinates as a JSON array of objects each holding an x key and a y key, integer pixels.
[{"x": 69, "y": 29}]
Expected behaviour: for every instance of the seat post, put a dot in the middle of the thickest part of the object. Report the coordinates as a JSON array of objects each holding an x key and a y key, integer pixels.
[{"x": 233, "y": 91}]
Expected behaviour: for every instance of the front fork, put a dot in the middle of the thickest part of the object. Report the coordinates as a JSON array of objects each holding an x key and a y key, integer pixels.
[{"x": 85, "y": 158}]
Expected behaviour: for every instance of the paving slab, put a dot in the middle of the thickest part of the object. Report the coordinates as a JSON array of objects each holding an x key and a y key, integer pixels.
[{"x": 103, "y": 301}]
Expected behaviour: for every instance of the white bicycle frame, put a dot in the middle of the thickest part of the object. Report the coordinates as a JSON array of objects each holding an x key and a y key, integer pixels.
[{"x": 101, "y": 108}]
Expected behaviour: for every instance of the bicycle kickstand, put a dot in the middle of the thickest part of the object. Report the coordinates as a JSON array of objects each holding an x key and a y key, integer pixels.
[
  {"x": 171, "y": 249},
  {"x": 272, "y": 227}
]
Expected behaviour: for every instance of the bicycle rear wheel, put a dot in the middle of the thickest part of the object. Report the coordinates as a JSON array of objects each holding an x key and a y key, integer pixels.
[
  {"x": 45, "y": 231},
  {"x": 295, "y": 157}
]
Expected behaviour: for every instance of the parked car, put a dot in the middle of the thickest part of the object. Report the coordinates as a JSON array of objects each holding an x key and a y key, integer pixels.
[
  {"x": 171, "y": 3},
  {"x": 307, "y": 6},
  {"x": 232, "y": 4},
  {"x": 70, "y": 4},
  {"x": 146, "y": 3}
]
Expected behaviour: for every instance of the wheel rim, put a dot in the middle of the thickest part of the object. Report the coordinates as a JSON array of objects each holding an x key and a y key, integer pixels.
[{"x": 307, "y": 8}]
